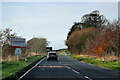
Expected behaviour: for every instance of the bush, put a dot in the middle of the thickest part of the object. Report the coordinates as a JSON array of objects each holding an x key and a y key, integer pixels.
[
  {"x": 105, "y": 42},
  {"x": 76, "y": 41}
]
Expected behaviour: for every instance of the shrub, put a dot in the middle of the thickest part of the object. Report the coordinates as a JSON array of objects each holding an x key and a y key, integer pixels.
[{"x": 76, "y": 41}]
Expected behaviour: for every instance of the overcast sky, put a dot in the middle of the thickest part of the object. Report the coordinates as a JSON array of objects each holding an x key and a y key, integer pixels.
[{"x": 51, "y": 20}]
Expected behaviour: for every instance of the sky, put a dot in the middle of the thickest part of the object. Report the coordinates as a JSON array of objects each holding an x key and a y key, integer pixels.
[
  {"x": 59, "y": 0},
  {"x": 51, "y": 20},
  {"x": 119, "y": 11}
]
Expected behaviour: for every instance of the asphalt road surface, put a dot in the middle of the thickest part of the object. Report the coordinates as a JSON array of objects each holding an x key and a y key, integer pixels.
[{"x": 68, "y": 69}]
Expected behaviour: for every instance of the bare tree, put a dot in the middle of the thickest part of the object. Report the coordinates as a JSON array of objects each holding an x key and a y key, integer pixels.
[
  {"x": 94, "y": 19},
  {"x": 7, "y": 36},
  {"x": 5, "y": 40}
]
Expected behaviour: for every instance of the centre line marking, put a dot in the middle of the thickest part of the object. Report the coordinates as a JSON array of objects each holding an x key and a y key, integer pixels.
[
  {"x": 75, "y": 71},
  {"x": 88, "y": 77},
  {"x": 68, "y": 67},
  {"x": 78, "y": 73}
]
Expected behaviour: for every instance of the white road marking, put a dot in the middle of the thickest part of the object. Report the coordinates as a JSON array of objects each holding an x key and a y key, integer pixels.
[
  {"x": 78, "y": 73},
  {"x": 75, "y": 71},
  {"x": 39, "y": 62},
  {"x": 31, "y": 68},
  {"x": 82, "y": 61},
  {"x": 88, "y": 77},
  {"x": 90, "y": 64},
  {"x": 68, "y": 67}
]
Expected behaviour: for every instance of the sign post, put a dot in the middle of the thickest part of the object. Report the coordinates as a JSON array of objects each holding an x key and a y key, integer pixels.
[
  {"x": 18, "y": 44},
  {"x": 18, "y": 52}
]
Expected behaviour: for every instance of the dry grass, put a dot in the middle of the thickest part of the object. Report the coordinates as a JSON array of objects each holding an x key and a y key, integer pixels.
[
  {"x": 111, "y": 58},
  {"x": 14, "y": 57},
  {"x": 10, "y": 58},
  {"x": 107, "y": 58}
]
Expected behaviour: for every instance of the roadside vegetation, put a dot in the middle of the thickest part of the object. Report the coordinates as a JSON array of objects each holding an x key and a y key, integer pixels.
[
  {"x": 34, "y": 46},
  {"x": 95, "y": 36},
  {"x": 114, "y": 65},
  {"x": 13, "y": 69},
  {"x": 34, "y": 51}
]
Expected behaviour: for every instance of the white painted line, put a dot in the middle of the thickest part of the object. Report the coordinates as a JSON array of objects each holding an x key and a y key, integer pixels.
[
  {"x": 91, "y": 64},
  {"x": 39, "y": 62},
  {"x": 78, "y": 73},
  {"x": 68, "y": 67},
  {"x": 75, "y": 71},
  {"x": 82, "y": 61},
  {"x": 31, "y": 68},
  {"x": 88, "y": 77}
]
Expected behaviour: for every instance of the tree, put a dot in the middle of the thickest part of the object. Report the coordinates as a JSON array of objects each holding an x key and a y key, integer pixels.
[
  {"x": 94, "y": 19},
  {"x": 105, "y": 41},
  {"x": 5, "y": 42},
  {"x": 7, "y": 36},
  {"x": 76, "y": 41},
  {"x": 37, "y": 45},
  {"x": 0, "y": 45},
  {"x": 76, "y": 26},
  {"x": 1, "y": 38}
]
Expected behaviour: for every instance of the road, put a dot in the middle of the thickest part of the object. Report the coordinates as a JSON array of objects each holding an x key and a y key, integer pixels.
[{"x": 68, "y": 69}]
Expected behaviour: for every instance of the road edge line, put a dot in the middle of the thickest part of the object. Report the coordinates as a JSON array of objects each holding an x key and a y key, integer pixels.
[{"x": 31, "y": 68}]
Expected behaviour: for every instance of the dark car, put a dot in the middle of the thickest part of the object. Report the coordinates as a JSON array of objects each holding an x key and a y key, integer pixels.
[{"x": 52, "y": 56}]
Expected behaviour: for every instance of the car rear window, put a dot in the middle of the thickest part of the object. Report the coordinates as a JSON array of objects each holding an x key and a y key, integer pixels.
[{"x": 52, "y": 53}]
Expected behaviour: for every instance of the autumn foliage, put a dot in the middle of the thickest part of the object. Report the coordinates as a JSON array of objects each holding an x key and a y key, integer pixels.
[
  {"x": 95, "y": 41},
  {"x": 76, "y": 41},
  {"x": 105, "y": 42}
]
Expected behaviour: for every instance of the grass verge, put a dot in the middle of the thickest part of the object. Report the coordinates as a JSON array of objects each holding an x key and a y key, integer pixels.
[
  {"x": 11, "y": 70},
  {"x": 114, "y": 65}
]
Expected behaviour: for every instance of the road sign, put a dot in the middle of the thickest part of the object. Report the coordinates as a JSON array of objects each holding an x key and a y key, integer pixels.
[
  {"x": 18, "y": 51},
  {"x": 18, "y": 43}
]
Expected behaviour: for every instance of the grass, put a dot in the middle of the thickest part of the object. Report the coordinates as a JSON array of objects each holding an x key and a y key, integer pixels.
[
  {"x": 114, "y": 65},
  {"x": 67, "y": 51},
  {"x": 0, "y": 71},
  {"x": 13, "y": 68}
]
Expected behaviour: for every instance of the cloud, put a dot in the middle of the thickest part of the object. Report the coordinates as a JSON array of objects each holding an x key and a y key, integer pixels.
[
  {"x": 60, "y": 0},
  {"x": 50, "y": 20}
]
